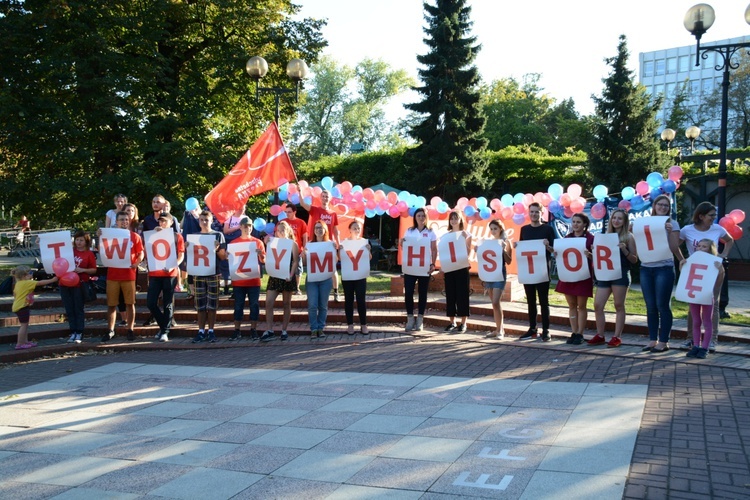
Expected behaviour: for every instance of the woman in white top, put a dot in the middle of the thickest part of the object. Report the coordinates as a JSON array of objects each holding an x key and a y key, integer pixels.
[
  {"x": 418, "y": 230},
  {"x": 111, "y": 217},
  {"x": 458, "y": 282}
]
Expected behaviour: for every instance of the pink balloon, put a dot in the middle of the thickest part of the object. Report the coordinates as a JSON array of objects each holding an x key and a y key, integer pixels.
[
  {"x": 292, "y": 189},
  {"x": 392, "y": 197},
  {"x": 528, "y": 199},
  {"x": 345, "y": 187},
  {"x": 496, "y": 204},
  {"x": 462, "y": 202},
  {"x": 368, "y": 193},
  {"x": 401, "y": 206},
  {"x": 546, "y": 199},
  {"x": 70, "y": 279},
  {"x": 385, "y": 205},
  {"x": 568, "y": 212},
  {"x": 393, "y": 212},
  {"x": 371, "y": 204},
  {"x": 303, "y": 184},
  {"x": 642, "y": 188},
  {"x": 60, "y": 267},
  {"x": 598, "y": 211},
  {"x": 275, "y": 210},
  {"x": 575, "y": 190},
  {"x": 565, "y": 200},
  {"x": 577, "y": 205},
  {"x": 736, "y": 232},
  {"x": 675, "y": 173},
  {"x": 737, "y": 215},
  {"x": 538, "y": 197},
  {"x": 358, "y": 196},
  {"x": 506, "y": 213},
  {"x": 624, "y": 204},
  {"x": 435, "y": 201},
  {"x": 379, "y": 195},
  {"x": 519, "y": 209}
]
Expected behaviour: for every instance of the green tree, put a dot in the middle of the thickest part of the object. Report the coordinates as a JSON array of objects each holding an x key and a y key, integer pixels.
[
  {"x": 344, "y": 106},
  {"x": 135, "y": 97},
  {"x": 449, "y": 157},
  {"x": 624, "y": 146}
]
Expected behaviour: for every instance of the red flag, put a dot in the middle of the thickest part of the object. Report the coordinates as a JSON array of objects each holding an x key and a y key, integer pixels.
[{"x": 264, "y": 167}]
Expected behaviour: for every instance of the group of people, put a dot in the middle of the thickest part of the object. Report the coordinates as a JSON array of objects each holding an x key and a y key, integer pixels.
[{"x": 657, "y": 278}]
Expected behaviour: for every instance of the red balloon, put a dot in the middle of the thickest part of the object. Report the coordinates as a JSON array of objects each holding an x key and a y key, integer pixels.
[
  {"x": 60, "y": 266},
  {"x": 727, "y": 223},
  {"x": 735, "y": 232},
  {"x": 598, "y": 211},
  {"x": 737, "y": 215},
  {"x": 624, "y": 204},
  {"x": 70, "y": 279}
]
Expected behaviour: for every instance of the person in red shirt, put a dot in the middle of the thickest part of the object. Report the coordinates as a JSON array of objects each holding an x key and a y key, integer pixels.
[
  {"x": 249, "y": 288},
  {"x": 123, "y": 279},
  {"x": 73, "y": 297},
  {"x": 326, "y": 215},
  {"x": 300, "y": 235},
  {"x": 163, "y": 281}
]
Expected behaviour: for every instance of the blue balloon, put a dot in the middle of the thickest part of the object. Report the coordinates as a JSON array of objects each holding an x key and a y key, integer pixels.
[
  {"x": 356, "y": 189},
  {"x": 518, "y": 198},
  {"x": 370, "y": 213},
  {"x": 379, "y": 210},
  {"x": 655, "y": 192},
  {"x": 507, "y": 200},
  {"x": 554, "y": 206},
  {"x": 412, "y": 201},
  {"x": 485, "y": 212},
  {"x": 335, "y": 193},
  {"x": 627, "y": 193},
  {"x": 600, "y": 192},
  {"x": 654, "y": 179},
  {"x": 669, "y": 186},
  {"x": 412, "y": 211},
  {"x": 259, "y": 224},
  {"x": 269, "y": 228},
  {"x": 637, "y": 203},
  {"x": 470, "y": 211},
  {"x": 327, "y": 183},
  {"x": 404, "y": 196},
  {"x": 283, "y": 195},
  {"x": 481, "y": 203},
  {"x": 421, "y": 201},
  {"x": 518, "y": 219},
  {"x": 555, "y": 191},
  {"x": 192, "y": 204},
  {"x": 294, "y": 198},
  {"x": 308, "y": 200},
  {"x": 281, "y": 216},
  {"x": 442, "y": 207}
]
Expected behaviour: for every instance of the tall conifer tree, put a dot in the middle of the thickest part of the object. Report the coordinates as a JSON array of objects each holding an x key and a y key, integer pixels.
[{"x": 449, "y": 158}]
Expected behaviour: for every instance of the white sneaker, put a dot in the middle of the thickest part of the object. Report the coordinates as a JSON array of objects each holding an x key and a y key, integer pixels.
[
  {"x": 71, "y": 339},
  {"x": 712, "y": 346},
  {"x": 410, "y": 321},
  {"x": 164, "y": 338},
  {"x": 418, "y": 326},
  {"x": 79, "y": 338},
  {"x": 687, "y": 345}
]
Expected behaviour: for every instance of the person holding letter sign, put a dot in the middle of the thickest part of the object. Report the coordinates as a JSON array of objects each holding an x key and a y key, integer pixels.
[
  {"x": 248, "y": 284},
  {"x": 457, "y": 282},
  {"x": 73, "y": 297},
  {"x": 538, "y": 230},
  {"x": 320, "y": 254},
  {"x": 283, "y": 263},
  {"x": 657, "y": 271},
  {"x": 618, "y": 288},
  {"x": 703, "y": 313},
  {"x": 577, "y": 293},
  {"x": 353, "y": 259},
  {"x": 703, "y": 227},
  {"x": 418, "y": 247},
  {"x": 162, "y": 277},
  {"x": 497, "y": 232}
]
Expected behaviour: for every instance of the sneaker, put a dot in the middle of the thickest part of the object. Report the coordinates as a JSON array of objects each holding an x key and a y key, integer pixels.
[
  {"x": 79, "y": 338},
  {"x": 201, "y": 337},
  {"x": 492, "y": 335},
  {"x": 313, "y": 334},
  {"x": 575, "y": 339},
  {"x": 157, "y": 337},
  {"x": 614, "y": 342},
  {"x": 461, "y": 328},
  {"x": 164, "y": 337},
  {"x": 321, "y": 334},
  {"x": 450, "y": 328},
  {"x": 598, "y": 340},
  {"x": 530, "y": 334},
  {"x": 410, "y": 323},
  {"x": 712, "y": 346},
  {"x": 723, "y": 314},
  {"x": 419, "y": 325},
  {"x": 122, "y": 323},
  {"x": 693, "y": 352},
  {"x": 108, "y": 336},
  {"x": 545, "y": 336},
  {"x": 254, "y": 334},
  {"x": 71, "y": 339},
  {"x": 150, "y": 321},
  {"x": 131, "y": 335},
  {"x": 336, "y": 296},
  {"x": 237, "y": 335},
  {"x": 702, "y": 353},
  {"x": 365, "y": 330},
  {"x": 211, "y": 337},
  {"x": 267, "y": 335},
  {"x": 284, "y": 335},
  {"x": 350, "y": 329},
  {"x": 687, "y": 345}
]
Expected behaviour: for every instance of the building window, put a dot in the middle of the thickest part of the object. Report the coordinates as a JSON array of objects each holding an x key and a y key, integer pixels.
[
  {"x": 659, "y": 67},
  {"x": 648, "y": 68},
  {"x": 671, "y": 89},
  {"x": 708, "y": 85},
  {"x": 695, "y": 89},
  {"x": 684, "y": 64},
  {"x": 672, "y": 65}
]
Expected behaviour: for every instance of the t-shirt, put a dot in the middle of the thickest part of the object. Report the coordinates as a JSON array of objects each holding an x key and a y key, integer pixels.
[
  {"x": 128, "y": 274},
  {"x": 692, "y": 236},
  {"x": 666, "y": 262},
  {"x": 21, "y": 291},
  {"x": 262, "y": 258},
  {"x": 112, "y": 214},
  {"x": 300, "y": 228},
  {"x": 180, "y": 244},
  {"x": 541, "y": 232},
  {"x": 85, "y": 260},
  {"x": 318, "y": 213},
  {"x": 413, "y": 232}
]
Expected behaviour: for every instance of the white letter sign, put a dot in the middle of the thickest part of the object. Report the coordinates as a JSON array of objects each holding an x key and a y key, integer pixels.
[
  {"x": 161, "y": 250},
  {"x": 697, "y": 279},
  {"x": 321, "y": 260},
  {"x": 490, "y": 260},
  {"x": 452, "y": 252},
  {"x": 279, "y": 257},
  {"x": 355, "y": 260},
  {"x": 531, "y": 259},
  {"x": 572, "y": 263},
  {"x": 56, "y": 245},
  {"x": 607, "y": 265},
  {"x": 243, "y": 260},
  {"x": 201, "y": 254},
  {"x": 416, "y": 255},
  {"x": 114, "y": 248},
  {"x": 651, "y": 238}
]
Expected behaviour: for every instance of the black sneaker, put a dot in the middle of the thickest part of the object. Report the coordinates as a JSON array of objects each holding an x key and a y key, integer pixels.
[
  {"x": 267, "y": 335},
  {"x": 122, "y": 323},
  {"x": 237, "y": 335},
  {"x": 108, "y": 336},
  {"x": 693, "y": 352},
  {"x": 211, "y": 337},
  {"x": 199, "y": 338},
  {"x": 461, "y": 328},
  {"x": 545, "y": 336},
  {"x": 150, "y": 321},
  {"x": 530, "y": 334},
  {"x": 450, "y": 328},
  {"x": 571, "y": 339},
  {"x": 284, "y": 336},
  {"x": 577, "y": 339},
  {"x": 702, "y": 353},
  {"x": 131, "y": 335},
  {"x": 254, "y": 334}
]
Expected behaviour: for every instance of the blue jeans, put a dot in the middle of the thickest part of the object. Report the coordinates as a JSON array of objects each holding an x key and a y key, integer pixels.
[
  {"x": 164, "y": 286},
  {"x": 656, "y": 285},
  {"x": 317, "y": 302},
  {"x": 252, "y": 293},
  {"x": 72, "y": 298}
]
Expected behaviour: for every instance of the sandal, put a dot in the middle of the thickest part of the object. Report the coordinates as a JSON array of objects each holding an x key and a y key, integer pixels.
[
  {"x": 189, "y": 296},
  {"x": 650, "y": 346},
  {"x": 26, "y": 345}
]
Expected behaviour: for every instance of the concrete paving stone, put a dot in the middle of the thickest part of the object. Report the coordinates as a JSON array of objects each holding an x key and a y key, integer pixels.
[
  {"x": 538, "y": 433},
  {"x": 226, "y": 373},
  {"x": 137, "y": 478},
  {"x": 543, "y": 400},
  {"x": 500, "y": 385},
  {"x": 534, "y": 415},
  {"x": 106, "y": 424},
  {"x": 263, "y": 374},
  {"x": 209, "y": 395},
  {"x": 513, "y": 455},
  {"x": 65, "y": 401},
  {"x": 300, "y": 402},
  {"x": 587, "y": 461},
  {"x": 446, "y": 383},
  {"x": 398, "y": 380},
  {"x": 19, "y": 464},
  {"x": 22, "y": 438},
  {"x": 606, "y": 413},
  {"x": 386, "y": 424},
  {"x": 409, "y": 408},
  {"x": 156, "y": 394},
  {"x": 451, "y": 429},
  {"x": 638, "y": 391},
  {"x": 44, "y": 389},
  {"x": 335, "y": 420},
  {"x": 73, "y": 471},
  {"x": 85, "y": 377},
  {"x": 428, "y": 448},
  {"x": 177, "y": 429},
  {"x": 270, "y": 416},
  {"x": 6, "y": 454},
  {"x": 379, "y": 391},
  {"x": 188, "y": 371},
  {"x": 547, "y": 485},
  {"x": 234, "y": 432},
  {"x": 272, "y": 386},
  {"x": 351, "y": 378},
  {"x": 322, "y": 466},
  {"x": 294, "y": 437},
  {"x": 324, "y": 389},
  {"x": 560, "y": 388},
  {"x": 433, "y": 394},
  {"x": 150, "y": 369},
  {"x": 133, "y": 448},
  {"x": 358, "y": 443},
  {"x": 479, "y": 481},
  {"x": 615, "y": 438},
  {"x": 349, "y": 491},
  {"x": 471, "y": 412},
  {"x": 207, "y": 483},
  {"x": 94, "y": 494},
  {"x": 270, "y": 487},
  {"x": 493, "y": 398},
  {"x": 353, "y": 404},
  {"x": 170, "y": 409},
  {"x": 255, "y": 458},
  {"x": 305, "y": 377},
  {"x": 217, "y": 413},
  {"x": 30, "y": 417},
  {"x": 76, "y": 443},
  {"x": 253, "y": 399},
  {"x": 399, "y": 473},
  {"x": 190, "y": 452},
  {"x": 116, "y": 367},
  {"x": 26, "y": 491}
]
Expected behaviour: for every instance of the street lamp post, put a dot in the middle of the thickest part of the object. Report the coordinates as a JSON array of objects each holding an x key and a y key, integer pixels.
[
  {"x": 296, "y": 70},
  {"x": 692, "y": 133},
  {"x": 668, "y": 135},
  {"x": 698, "y": 19}
]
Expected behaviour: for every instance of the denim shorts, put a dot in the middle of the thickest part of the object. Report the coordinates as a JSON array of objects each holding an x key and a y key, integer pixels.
[
  {"x": 624, "y": 281},
  {"x": 500, "y": 285}
]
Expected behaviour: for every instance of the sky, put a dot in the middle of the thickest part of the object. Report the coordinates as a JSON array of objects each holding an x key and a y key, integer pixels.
[{"x": 566, "y": 42}]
